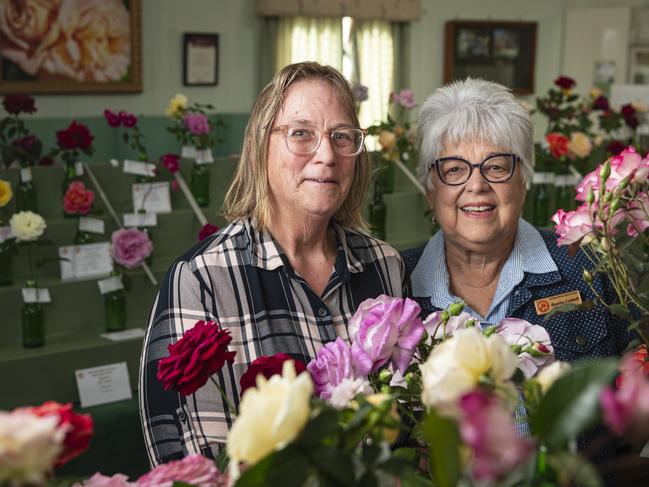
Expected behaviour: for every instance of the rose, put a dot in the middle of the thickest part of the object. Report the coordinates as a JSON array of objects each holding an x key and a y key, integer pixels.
[
  {"x": 387, "y": 140},
  {"x": 176, "y": 105},
  {"x": 127, "y": 119},
  {"x": 573, "y": 226},
  {"x": 382, "y": 329},
  {"x": 93, "y": 41},
  {"x": 75, "y": 136},
  {"x": 201, "y": 352},
  {"x": 270, "y": 416},
  {"x": 558, "y": 144},
  {"x": 579, "y": 145},
  {"x": 457, "y": 366},
  {"x": 267, "y": 366},
  {"x": 77, "y": 199},
  {"x": 207, "y": 230},
  {"x": 130, "y": 247},
  {"x": 112, "y": 118},
  {"x": 627, "y": 164},
  {"x": 17, "y": 103},
  {"x": 530, "y": 342},
  {"x": 197, "y": 123},
  {"x": 170, "y": 161},
  {"x": 30, "y": 144},
  {"x": 78, "y": 428},
  {"x": 99, "y": 480},
  {"x": 27, "y": 226},
  {"x": 565, "y": 82},
  {"x": 405, "y": 98},
  {"x": 193, "y": 470},
  {"x": 549, "y": 375},
  {"x": 5, "y": 192},
  {"x": 332, "y": 363},
  {"x": 342, "y": 393},
  {"x": 487, "y": 428},
  {"x": 637, "y": 360},
  {"x": 601, "y": 103},
  {"x": 29, "y": 445},
  {"x": 435, "y": 326}
]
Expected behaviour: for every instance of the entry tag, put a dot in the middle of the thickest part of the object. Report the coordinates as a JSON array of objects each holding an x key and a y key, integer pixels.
[
  {"x": 103, "y": 384},
  {"x": 545, "y": 305}
]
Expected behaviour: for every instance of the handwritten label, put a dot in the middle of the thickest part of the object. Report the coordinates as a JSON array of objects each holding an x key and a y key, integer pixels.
[
  {"x": 78, "y": 167},
  {"x": 26, "y": 174},
  {"x": 103, "y": 384},
  {"x": 188, "y": 152},
  {"x": 110, "y": 284},
  {"x": 83, "y": 261},
  {"x": 140, "y": 219},
  {"x": 204, "y": 156},
  {"x": 36, "y": 295},
  {"x": 151, "y": 197},
  {"x": 139, "y": 168},
  {"x": 92, "y": 225}
]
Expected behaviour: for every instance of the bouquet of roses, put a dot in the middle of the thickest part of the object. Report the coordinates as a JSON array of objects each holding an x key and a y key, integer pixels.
[{"x": 190, "y": 125}]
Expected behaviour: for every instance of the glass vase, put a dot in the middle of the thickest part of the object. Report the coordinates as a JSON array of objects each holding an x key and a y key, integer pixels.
[
  {"x": 33, "y": 322},
  {"x": 115, "y": 310},
  {"x": 69, "y": 175},
  {"x": 82, "y": 237},
  {"x": 199, "y": 184},
  {"x": 6, "y": 265}
]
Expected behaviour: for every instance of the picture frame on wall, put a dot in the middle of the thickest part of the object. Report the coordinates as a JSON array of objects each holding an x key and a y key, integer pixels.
[
  {"x": 200, "y": 59},
  {"x": 639, "y": 65},
  {"x": 504, "y": 52},
  {"x": 79, "y": 48}
]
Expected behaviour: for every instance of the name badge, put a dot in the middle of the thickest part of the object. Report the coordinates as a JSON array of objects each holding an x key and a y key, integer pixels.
[{"x": 545, "y": 305}]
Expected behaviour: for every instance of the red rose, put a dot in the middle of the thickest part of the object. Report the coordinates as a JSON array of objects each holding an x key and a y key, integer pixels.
[
  {"x": 77, "y": 199},
  {"x": 79, "y": 428},
  {"x": 564, "y": 82},
  {"x": 207, "y": 230},
  {"x": 201, "y": 352},
  {"x": 639, "y": 359},
  {"x": 601, "y": 103},
  {"x": 558, "y": 144},
  {"x": 76, "y": 136},
  {"x": 267, "y": 366},
  {"x": 16, "y": 104},
  {"x": 30, "y": 144},
  {"x": 170, "y": 161},
  {"x": 128, "y": 119},
  {"x": 112, "y": 118}
]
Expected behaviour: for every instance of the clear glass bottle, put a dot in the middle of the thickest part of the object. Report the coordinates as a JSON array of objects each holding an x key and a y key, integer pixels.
[
  {"x": 33, "y": 321},
  {"x": 115, "y": 309},
  {"x": 199, "y": 184}
]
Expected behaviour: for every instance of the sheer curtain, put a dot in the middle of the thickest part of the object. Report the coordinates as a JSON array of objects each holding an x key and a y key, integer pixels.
[{"x": 309, "y": 39}]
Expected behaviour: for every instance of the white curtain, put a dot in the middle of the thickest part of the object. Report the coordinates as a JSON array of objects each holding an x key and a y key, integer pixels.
[{"x": 309, "y": 39}]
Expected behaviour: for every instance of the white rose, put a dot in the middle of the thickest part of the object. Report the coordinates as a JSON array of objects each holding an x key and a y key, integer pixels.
[
  {"x": 27, "y": 226},
  {"x": 547, "y": 376},
  {"x": 455, "y": 367},
  {"x": 271, "y": 415},
  {"x": 29, "y": 446},
  {"x": 346, "y": 390}
]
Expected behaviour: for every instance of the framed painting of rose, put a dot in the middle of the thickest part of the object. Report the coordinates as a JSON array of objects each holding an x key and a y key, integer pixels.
[{"x": 70, "y": 46}]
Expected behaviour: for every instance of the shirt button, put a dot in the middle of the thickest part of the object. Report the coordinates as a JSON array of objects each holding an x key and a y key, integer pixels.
[
  {"x": 182, "y": 416},
  {"x": 322, "y": 312},
  {"x": 581, "y": 340}
]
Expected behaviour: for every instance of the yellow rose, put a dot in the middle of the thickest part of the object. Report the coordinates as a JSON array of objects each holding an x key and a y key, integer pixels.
[
  {"x": 27, "y": 226},
  {"x": 5, "y": 192},
  {"x": 579, "y": 145},
  {"x": 387, "y": 140},
  {"x": 595, "y": 92},
  {"x": 456, "y": 366},
  {"x": 177, "y": 102},
  {"x": 271, "y": 415},
  {"x": 548, "y": 375}
]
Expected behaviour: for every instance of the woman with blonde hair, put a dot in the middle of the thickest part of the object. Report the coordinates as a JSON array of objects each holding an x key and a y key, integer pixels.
[{"x": 288, "y": 271}]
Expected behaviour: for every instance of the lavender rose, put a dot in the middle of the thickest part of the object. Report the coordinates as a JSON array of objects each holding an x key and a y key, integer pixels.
[
  {"x": 197, "y": 123},
  {"x": 530, "y": 342},
  {"x": 331, "y": 365},
  {"x": 384, "y": 329},
  {"x": 130, "y": 247},
  {"x": 193, "y": 469}
]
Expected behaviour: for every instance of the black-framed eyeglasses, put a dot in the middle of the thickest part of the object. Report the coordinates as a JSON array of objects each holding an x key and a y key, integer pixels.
[
  {"x": 304, "y": 140},
  {"x": 454, "y": 171}
]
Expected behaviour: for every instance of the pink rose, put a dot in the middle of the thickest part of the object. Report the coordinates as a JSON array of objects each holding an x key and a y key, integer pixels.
[
  {"x": 99, "y": 480},
  {"x": 197, "y": 123},
  {"x": 591, "y": 180},
  {"x": 572, "y": 226},
  {"x": 627, "y": 164},
  {"x": 127, "y": 119},
  {"x": 530, "y": 342},
  {"x": 331, "y": 365},
  {"x": 436, "y": 329},
  {"x": 405, "y": 98},
  {"x": 193, "y": 469},
  {"x": 77, "y": 199},
  {"x": 488, "y": 429},
  {"x": 130, "y": 247},
  {"x": 112, "y": 118},
  {"x": 638, "y": 215},
  {"x": 382, "y": 329}
]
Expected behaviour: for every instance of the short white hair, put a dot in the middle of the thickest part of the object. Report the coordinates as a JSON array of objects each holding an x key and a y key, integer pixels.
[{"x": 474, "y": 110}]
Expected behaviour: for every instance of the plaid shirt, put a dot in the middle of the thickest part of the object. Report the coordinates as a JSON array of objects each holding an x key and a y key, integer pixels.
[{"x": 241, "y": 279}]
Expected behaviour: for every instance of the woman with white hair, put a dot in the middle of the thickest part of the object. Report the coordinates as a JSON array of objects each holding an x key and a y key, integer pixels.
[{"x": 476, "y": 157}]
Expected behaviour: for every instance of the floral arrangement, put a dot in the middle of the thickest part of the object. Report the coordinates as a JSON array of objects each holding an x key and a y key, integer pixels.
[
  {"x": 190, "y": 124},
  {"x": 396, "y": 136},
  {"x": 132, "y": 135},
  {"x": 16, "y": 142},
  {"x": 130, "y": 247}
]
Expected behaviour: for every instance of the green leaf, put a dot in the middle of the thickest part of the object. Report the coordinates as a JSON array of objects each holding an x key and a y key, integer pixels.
[
  {"x": 572, "y": 402},
  {"x": 322, "y": 425},
  {"x": 334, "y": 464},
  {"x": 443, "y": 438},
  {"x": 572, "y": 469},
  {"x": 619, "y": 310},
  {"x": 288, "y": 467}
]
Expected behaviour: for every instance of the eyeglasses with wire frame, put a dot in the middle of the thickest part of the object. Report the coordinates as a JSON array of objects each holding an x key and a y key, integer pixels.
[
  {"x": 496, "y": 168},
  {"x": 304, "y": 140}
]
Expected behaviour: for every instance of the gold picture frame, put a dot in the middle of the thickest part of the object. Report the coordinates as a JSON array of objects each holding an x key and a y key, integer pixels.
[{"x": 91, "y": 47}]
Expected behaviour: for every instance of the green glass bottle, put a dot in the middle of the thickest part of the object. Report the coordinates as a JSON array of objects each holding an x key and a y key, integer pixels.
[
  {"x": 33, "y": 321},
  {"x": 69, "y": 175},
  {"x": 541, "y": 208},
  {"x": 385, "y": 175},
  {"x": 199, "y": 184},
  {"x": 377, "y": 212},
  {"x": 82, "y": 237},
  {"x": 6, "y": 264},
  {"x": 115, "y": 308},
  {"x": 26, "y": 192},
  {"x": 564, "y": 184}
]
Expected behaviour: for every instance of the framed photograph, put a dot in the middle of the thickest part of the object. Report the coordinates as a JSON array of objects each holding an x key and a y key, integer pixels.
[
  {"x": 504, "y": 52},
  {"x": 639, "y": 65},
  {"x": 75, "y": 47},
  {"x": 200, "y": 59}
]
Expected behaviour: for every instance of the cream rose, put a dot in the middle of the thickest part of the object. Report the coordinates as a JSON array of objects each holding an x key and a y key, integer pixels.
[
  {"x": 456, "y": 366},
  {"x": 595, "y": 92},
  {"x": 387, "y": 140},
  {"x": 579, "y": 145},
  {"x": 547, "y": 376},
  {"x": 94, "y": 41},
  {"x": 270, "y": 416},
  {"x": 5, "y": 192},
  {"x": 29, "y": 446},
  {"x": 27, "y": 226},
  {"x": 640, "y": 106},
  {"x": 176, "y": 104}
]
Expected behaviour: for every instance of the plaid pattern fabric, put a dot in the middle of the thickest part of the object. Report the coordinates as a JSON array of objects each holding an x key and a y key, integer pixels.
[{"x": 241, "y": 279}]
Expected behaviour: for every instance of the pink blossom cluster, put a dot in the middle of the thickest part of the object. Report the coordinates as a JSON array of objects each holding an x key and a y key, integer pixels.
[
  {"x": 405, "y": 98},
  {"x": 197, "y": 123}
]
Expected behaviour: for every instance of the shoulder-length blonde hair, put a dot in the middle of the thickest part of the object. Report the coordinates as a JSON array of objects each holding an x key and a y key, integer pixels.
[{"x": 248, "y": 194}]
